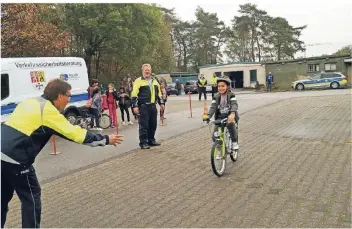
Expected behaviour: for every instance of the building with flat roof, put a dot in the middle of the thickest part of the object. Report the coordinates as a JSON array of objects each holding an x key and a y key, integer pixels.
[
  {"x": 287, "y": 71},
  {"x": 245, "y": 74},
  {"x": 242, "y": 74}
]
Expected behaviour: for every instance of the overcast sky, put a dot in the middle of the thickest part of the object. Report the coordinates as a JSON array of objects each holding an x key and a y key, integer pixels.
[{"x": 328, "y": 21}]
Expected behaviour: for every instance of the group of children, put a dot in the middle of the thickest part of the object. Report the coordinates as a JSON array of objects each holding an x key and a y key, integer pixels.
[{"x": 108, "y": 100}]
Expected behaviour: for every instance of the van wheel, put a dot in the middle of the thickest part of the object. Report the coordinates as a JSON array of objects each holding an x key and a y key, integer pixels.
[{"x": 71, "y": 117}]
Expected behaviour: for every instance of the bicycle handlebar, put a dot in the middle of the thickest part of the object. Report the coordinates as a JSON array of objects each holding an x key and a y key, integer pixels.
[{"x": 218, "y": 122}]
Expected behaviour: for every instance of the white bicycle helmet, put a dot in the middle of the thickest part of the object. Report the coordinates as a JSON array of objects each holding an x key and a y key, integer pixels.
[{"x": 224, "y": 79}]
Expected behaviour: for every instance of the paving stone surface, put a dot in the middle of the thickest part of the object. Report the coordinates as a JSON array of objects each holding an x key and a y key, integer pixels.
[{"x": 294, "y": 170}]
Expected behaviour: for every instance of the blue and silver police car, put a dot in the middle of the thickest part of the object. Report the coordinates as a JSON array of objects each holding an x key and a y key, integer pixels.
[{"x": 332, "y": 80}]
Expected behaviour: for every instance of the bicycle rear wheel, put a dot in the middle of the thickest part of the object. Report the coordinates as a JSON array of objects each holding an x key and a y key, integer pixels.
[
  {"x": 105, "y": 121},
  {"x": 234, "y": 154},
  {"x": 218, "y": 159}
]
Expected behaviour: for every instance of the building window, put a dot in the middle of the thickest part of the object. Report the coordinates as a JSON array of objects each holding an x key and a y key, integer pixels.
[
  {"x": 253, "y": 75},
  {"x": 313, "y": 67},
  {"x": 5, "y": 87},
  {"x": 330, "y": 67},
  {"x": 218, "y": 74}
]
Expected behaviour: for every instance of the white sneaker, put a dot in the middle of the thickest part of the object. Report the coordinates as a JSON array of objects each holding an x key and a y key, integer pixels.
[
  {"x": 234, "y": 146},
  {"x": 123, "y": 123},
  {"x": 130, "y": 123},
  {"x": 99, "y": 129}
]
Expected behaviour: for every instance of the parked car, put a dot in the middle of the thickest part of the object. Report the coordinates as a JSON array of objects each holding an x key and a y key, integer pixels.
[
  {"x": 191, "y": 86},
  {"x": 171, "y": 90},
  {"x": 332, "y": 80}
]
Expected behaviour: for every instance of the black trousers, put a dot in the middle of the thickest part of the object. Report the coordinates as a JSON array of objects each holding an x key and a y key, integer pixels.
[
  {"x": 232, "y": 130},
  {"x": 23, "y": 180},
  {"x": 147, "y": 123},
  {"x": 204, "y": 91},
  {"x": 213, "y": 91},
  {"x": 124, "y": 108}
]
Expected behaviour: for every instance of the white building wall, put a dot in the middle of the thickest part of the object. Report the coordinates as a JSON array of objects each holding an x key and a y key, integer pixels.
[{"x": 208, "y": 72}]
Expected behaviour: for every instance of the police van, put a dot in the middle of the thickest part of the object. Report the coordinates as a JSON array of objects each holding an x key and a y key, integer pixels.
[{"x": 23, "y": 78}]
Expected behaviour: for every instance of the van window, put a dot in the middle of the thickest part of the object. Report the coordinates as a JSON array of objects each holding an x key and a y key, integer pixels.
[{"x": 5, "y": 87}]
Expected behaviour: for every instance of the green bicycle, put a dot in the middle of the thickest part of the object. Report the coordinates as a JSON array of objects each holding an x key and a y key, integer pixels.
[{"x": 221, "y": 147}]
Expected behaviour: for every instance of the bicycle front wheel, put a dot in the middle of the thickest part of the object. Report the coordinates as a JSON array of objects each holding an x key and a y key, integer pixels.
[
  {"x": 105, "y": 121},
  {"x": 218, "y": 159}
]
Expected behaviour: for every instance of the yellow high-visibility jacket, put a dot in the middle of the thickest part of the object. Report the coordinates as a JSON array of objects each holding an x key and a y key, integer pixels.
[
  {"x": 30, "y": 127},
  {"x": 143, "y": 93}
]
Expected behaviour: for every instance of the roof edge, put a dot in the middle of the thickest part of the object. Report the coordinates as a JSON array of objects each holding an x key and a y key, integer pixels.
[
  {"x": 218, "y": 65},
  {"x": 306, "y": 59}
]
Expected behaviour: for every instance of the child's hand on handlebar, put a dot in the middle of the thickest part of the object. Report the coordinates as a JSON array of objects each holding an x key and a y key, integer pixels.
[{"x": 231, "y": 118}]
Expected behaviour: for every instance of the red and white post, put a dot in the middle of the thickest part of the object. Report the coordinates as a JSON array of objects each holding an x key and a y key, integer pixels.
[
  {"x": 117, "y": 120},
  {"x": 55, "y": 152},
  {"x": 190, "y": 104},
  {"x": 162, "y": 116}
]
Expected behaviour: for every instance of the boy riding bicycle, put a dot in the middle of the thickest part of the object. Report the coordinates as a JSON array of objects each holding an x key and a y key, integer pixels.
[{"x": 224, "y": 105}]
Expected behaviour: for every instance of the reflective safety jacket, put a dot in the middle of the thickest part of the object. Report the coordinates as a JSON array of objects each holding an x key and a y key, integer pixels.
[
  {"x": 30, "y": 127},
  {"x": 202, "y": 83},
  {"x": 143, "y": 93},
  {"x": 213, "y": 81}
]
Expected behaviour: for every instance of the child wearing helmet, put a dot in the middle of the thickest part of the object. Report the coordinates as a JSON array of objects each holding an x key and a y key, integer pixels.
[{"x": 224, "y": 105}]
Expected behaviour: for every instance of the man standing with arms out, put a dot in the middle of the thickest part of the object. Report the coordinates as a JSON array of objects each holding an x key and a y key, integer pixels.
[
  {"x": 214, "y": 87},
  {"x": 269, "y": 82},
  {"x": 178, "y": 87},
  {"x": 202, "y": 87},
  {"x": 145, "y": 94},
  {"x": 23, "y": 136}
]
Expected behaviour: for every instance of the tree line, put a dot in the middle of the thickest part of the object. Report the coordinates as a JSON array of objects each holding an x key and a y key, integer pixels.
[
  {"x": 115, "y": 39},
  {"x": 253, "y": 36}
]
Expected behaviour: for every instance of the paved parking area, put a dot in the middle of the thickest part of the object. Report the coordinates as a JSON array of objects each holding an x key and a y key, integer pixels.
[{"x": 294, "y": 170}]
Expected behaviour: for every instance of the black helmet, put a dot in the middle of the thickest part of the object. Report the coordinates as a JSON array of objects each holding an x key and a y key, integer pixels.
[{"x": 224, "y": 79}]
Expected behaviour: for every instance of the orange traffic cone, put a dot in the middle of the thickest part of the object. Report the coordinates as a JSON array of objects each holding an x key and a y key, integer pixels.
[{"x": 205, "y": 111}]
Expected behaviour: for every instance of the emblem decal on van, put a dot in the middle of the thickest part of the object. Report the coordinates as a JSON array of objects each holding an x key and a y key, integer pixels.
[
  {"x": 71, "y": 76},
  {"x": 38, "y": 79},
  {"x": 64, "y": 77}
]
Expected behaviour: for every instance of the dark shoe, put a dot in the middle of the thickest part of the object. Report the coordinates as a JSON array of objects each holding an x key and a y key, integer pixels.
[
  {"x": 154, "y": 143},
  {"x": 145, "y": 146}
]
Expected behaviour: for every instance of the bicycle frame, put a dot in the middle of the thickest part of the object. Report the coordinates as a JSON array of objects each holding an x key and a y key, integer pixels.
[{"x": 221, "y": 138}]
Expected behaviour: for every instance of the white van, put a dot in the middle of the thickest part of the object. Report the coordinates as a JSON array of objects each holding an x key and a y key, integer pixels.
[{"x": 23, "y": 78}]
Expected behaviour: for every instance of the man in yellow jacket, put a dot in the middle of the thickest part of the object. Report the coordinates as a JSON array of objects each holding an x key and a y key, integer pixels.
[
  {"x": 145, "y": 94},
  {"x": 23, "y": 136},
  {"x": 214, "y": 87},
  {"x": 202, "y": 87}
]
